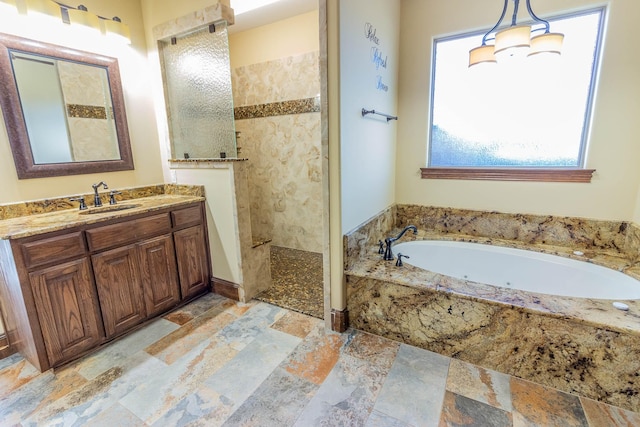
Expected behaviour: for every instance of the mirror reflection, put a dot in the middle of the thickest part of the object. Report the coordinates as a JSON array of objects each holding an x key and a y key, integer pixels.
[
  {"x": 66, "y": 107},
  {"x": 63, "y": 110}
]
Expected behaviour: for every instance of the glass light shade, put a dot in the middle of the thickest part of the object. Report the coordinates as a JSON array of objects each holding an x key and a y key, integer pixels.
[
  {"x": 46, "y": 8},
  {"x": 481, "y": 54},
  {"x": 547, "y": 43},
  {"x": 79, "y": 17},
  {"x": 116, "y": 30},
  {"x": 514, "y": 41}
]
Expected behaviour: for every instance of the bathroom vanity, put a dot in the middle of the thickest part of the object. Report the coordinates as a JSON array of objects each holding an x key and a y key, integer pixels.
[{"x": 73, "y": 280}]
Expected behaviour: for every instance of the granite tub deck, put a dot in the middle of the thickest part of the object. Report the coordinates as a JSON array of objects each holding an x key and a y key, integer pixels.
[{"x": 581, "y": 346}]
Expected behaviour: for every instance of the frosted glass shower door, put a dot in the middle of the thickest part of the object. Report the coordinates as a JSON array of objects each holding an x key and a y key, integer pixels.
[{"x": 197, "y": 83}]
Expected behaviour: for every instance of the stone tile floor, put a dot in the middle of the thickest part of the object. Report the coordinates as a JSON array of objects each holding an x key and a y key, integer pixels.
[
  {"x": 217, "y": 362},
  {"x": 296, "y": 281}
]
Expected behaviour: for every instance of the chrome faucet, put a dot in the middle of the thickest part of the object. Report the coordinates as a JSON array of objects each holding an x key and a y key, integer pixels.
[
  {"x": 388, "y": 253},
  {"x": 97, "y": 201}
]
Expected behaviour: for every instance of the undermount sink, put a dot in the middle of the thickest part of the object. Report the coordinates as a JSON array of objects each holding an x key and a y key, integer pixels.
[{"x": 110, "y": 208}]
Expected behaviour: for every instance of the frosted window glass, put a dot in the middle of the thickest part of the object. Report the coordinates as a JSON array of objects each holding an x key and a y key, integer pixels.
[
  {"x": 531, "y": 112},
  {"x": 200, "y": 101}
]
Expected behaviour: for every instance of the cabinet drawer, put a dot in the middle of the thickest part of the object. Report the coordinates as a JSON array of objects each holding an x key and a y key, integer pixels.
[
  {"x": 187, "y": 217},
  {"x": 128, "y": 231},
  {"x": 53, "y": 249}
]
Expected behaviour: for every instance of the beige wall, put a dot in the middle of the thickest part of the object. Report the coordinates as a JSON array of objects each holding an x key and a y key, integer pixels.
[
  {"x": 138, "y": 101},
  {"x": 289, "y": 37},
  {"x": 613, "y": 147}
]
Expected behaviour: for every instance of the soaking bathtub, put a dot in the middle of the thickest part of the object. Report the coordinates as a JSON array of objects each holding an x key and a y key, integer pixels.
[
  {"x": 545, "y": 318},
  {"x": 519, "y": 269}
]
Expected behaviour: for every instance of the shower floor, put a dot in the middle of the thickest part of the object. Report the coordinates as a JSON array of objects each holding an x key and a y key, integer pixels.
[{"x": 296, "y": 281}]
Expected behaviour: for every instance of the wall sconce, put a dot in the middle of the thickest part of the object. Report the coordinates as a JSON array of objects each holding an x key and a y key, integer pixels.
[{"x": 516, "y": 40}]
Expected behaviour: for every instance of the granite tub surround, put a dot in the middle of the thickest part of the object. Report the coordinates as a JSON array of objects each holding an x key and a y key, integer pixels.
[
  {"x": 361, "y": 241},
  {"x": 570, "y": 354},
  {"x": 582, "y": 346},
  {"x": 577, "y": 233},
  {"x": 612, "y": 244}
]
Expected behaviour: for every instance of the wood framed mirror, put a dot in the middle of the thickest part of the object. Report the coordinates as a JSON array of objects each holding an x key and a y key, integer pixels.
[{"x": 63, "y": 109}]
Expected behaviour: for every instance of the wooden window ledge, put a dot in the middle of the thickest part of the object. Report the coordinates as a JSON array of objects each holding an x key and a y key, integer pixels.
[{"x": 510, "y": 174}]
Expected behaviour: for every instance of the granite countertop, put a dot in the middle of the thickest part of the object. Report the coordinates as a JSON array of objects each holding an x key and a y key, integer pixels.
[
  {"x": 30, "y": 225},
  {"x": 597, "y": 312}
]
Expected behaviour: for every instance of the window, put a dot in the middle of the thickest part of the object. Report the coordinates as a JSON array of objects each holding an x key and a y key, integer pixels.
[{"x": 530, "y": 112}]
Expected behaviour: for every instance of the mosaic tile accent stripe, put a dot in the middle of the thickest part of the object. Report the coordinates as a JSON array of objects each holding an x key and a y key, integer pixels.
[
  {"x": 296, "y": 106},
  {"x": 86, "y": 111}
]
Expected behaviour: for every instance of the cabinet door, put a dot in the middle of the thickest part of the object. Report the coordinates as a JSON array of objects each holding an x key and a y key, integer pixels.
[
  {"x": 119, "y": 289},
  {"x": 193, "y": 266},
  {"x": 67, "y": 309},
  {"x": 159, "y": 274}
]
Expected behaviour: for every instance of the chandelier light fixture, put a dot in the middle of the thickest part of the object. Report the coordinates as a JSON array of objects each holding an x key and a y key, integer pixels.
[{"x": 516, "y": 40}]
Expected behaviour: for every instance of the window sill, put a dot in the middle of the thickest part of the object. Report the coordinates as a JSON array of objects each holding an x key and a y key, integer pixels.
[{"x": 510, "y": 174}]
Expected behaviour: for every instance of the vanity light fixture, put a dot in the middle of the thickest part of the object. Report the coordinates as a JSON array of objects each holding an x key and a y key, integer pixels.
[
  {"x": 79, "y": 17},
  {"x": 8, "y": 6},
  {"x": 516, "y": 40},
  {"x": 43, "y": 8},
  {"x": 82, "y": 17},
  {"x": 114, "y": 28}
]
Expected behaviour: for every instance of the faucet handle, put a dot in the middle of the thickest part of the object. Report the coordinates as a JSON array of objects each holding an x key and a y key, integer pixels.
[
  {"x": 80, "y": 199},
  {"x": 399, "y": 260},
  {"x": 381, "y": 247},
  {"x": 112, "y": 196}
]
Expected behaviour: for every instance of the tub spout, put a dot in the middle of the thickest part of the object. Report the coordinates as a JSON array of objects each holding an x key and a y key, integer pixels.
[{"x": 388, "y": 253}]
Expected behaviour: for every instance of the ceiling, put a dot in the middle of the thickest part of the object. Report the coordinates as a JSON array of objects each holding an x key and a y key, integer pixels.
[{"x": 273, "y": 12}]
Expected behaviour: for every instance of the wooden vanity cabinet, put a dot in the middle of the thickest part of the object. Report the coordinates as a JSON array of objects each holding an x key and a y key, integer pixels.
[
  {"x": 67, "y": 308},
  {"x": 79, "y": 288},
  {"x": 192, "y": 259},
  {"x": 158, "y": 274},
  {"x": 119, "y": 289}
]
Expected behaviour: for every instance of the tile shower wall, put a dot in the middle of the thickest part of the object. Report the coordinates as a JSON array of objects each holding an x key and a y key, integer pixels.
[
  {"x": 88, "y": 117},
  {"x": 277, "y": 114}
]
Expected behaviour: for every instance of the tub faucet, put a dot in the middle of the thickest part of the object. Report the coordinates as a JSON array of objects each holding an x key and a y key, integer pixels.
[
  {"x": 97, "y": 201},
  {"x": 388, "y": 253}
]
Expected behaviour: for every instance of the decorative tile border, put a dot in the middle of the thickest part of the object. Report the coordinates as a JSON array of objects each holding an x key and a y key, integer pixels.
[
  {"x": 86, "y": 111},
  {"x": 296, "y": 106}
]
